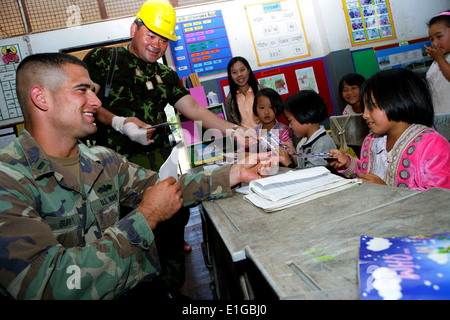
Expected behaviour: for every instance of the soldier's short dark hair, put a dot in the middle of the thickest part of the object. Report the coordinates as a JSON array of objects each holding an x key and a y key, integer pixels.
[
  {"x": 139, "y": 22},
  {"x": 50, "y": 59},
  {"x": 34, "y": 70}
]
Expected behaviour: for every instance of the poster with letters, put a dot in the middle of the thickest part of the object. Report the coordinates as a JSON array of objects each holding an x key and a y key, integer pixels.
[
  {"x": 277, "y": 31},
  {"x": 202, "y": 44}
]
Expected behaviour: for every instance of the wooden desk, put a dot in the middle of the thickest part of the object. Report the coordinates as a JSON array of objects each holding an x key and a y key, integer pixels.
[
  {"x": 311, "y": 250},
  {"x": 240, "y": 223}
]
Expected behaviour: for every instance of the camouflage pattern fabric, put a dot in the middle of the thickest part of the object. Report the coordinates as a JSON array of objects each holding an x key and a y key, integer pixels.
[
  {"x": 130, "y": 97},
  {"x": 52, "y": 226}
]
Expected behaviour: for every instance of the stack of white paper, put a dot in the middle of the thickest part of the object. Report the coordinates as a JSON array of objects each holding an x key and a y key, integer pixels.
[{"x": 293, "y": 187}]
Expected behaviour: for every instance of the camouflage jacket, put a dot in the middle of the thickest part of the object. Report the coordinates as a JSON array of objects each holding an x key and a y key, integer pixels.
[
  {"x": 62, "y": 241},
  {"x": 130, "y": 97}
]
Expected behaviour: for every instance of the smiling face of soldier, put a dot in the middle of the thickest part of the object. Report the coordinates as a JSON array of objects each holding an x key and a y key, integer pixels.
[
  {"x": 147, "y": 45},
  {"x": 74, "y": 104}
]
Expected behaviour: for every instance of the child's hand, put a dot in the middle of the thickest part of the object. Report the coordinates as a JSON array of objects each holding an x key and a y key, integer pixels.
[
  {"x": 338, "y": 159},
  {"x": 371, "y": 178},
  {"x": 435, "y": 53},
  {"x": 285, "y": 153},
  {"x": 289, "y": 145}
]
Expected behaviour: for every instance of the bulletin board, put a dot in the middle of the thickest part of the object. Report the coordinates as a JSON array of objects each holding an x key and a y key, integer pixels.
[
  {"x": 365, "y": 62},
  {"x": 202, "y": 44},
  {"x": 277, "y": 31},
  {"x": 369, "y": 21},
  {"x": 309, "y": 74}
]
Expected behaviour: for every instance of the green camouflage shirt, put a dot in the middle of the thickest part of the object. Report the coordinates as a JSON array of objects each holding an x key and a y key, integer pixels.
[
  {"x": 130, "y": 97},
  {"x": 60, "y": 240}
]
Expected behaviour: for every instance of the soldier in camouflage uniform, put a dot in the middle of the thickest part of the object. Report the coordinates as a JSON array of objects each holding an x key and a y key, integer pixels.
[
  {"x": 129, "y": 98},
  {"x": 60, "y": 232},
  {"x": 140, "y": 90}
]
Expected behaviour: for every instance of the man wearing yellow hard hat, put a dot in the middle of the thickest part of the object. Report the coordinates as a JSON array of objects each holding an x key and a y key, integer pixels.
[{"x": 136, "y": 93}]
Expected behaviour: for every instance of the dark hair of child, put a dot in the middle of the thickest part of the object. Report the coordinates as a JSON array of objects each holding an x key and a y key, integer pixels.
[
  {"x": 275, "y": 100},
  {"x": 402, "y": 94},
  {"x": 352, "y": 79},
  {"x": 307, "y": 106},
  {"x": 440, "y": 18}
]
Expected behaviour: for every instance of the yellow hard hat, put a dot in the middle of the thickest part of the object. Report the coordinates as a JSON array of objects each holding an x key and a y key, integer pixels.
[{"x": 159, "y": 16}]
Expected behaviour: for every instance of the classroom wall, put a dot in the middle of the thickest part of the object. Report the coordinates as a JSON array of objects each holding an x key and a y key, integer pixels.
[
  {"x": 324, "y": 23},
  {"x": 327, "y": 33},
  {"x": 410, "y": 20}
]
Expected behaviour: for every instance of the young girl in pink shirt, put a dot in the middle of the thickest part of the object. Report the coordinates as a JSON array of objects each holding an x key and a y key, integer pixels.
[
  {"x": 401, "y": 150},
  {"x": 266, "y": 106}
]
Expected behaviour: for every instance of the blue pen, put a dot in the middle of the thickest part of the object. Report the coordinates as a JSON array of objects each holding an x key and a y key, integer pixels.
[{"x": 324, "y": 155}]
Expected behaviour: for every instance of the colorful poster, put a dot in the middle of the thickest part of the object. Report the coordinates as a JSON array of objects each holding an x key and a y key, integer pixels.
[
  {"x": 277, "y": 31},
  {"x": 405, "y": 268},
  {"x": 202, "y": 46},
  {"x": 12, "y": 54},
  {"x": 369, "y": 20},
  {"x": 276, "y": 82},
  {"x": 306, "y": 79}
]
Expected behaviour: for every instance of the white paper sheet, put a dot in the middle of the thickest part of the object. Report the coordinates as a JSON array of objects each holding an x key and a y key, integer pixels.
[{"x": 170, "y": 167}]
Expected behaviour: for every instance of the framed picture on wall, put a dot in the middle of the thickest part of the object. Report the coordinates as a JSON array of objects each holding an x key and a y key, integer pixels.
[{"x": 369, "y": 21}]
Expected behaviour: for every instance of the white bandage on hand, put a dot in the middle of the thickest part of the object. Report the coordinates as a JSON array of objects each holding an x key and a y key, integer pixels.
[
  {"x": 135, "y": 133},
  {"x": 130, "y": 129},
  {"x": 117, "y": 123}
]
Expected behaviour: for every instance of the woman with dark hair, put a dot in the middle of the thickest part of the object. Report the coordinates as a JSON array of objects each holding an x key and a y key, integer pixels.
[
  {"x": 401, "y": 150},
  {"x": 243, "y": 87},
  {"x": 349, "y": 88}
]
